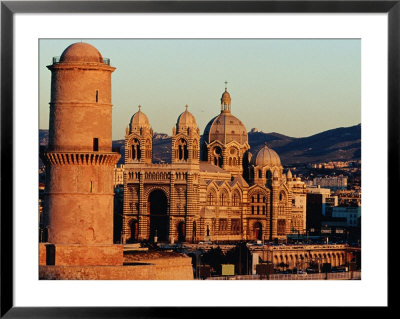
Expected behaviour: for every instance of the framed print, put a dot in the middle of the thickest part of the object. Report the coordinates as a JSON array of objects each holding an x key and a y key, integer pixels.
[{"x": 133, "y": 217}]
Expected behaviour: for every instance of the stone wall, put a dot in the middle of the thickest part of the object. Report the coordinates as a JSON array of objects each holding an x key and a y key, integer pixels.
[
  {"x": 83, "y": 255},
  {"x": 166, "y": 269}
]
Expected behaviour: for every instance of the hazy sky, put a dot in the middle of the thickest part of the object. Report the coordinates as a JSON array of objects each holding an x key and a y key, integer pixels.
[{"x": 294, "y": 87}]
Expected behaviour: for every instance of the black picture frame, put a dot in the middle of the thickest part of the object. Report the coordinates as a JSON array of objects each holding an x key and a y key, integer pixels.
[{"x": 9, "y": 8}]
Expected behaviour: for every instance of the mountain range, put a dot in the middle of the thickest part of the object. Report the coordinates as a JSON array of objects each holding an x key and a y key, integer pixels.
[{"x": 339, "y": 144}]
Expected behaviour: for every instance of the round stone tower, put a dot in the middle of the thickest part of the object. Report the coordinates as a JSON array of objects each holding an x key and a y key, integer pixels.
[{"x": 79, "y": 160}]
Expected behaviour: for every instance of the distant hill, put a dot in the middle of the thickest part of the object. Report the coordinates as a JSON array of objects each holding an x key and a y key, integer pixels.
[{"x": 343, "y": 144}]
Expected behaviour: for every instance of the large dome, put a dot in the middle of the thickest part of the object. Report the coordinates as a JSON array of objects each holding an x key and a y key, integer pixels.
[
  {"x": 225, "y": 128},
  {"x": 81, "y": 52},
  {"x": 266, "y": 157},
  {"x": 186, "y": 120},
  {"x": 139, "y": 120}
]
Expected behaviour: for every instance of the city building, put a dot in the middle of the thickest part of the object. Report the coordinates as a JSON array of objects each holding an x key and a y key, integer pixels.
[
  {"x": 318, "y": 200},
  {"x": 215, "y": 188},
  {"x": 299, "y": 203},
  {"x": 350, "y": 214},
  {"x": 326, "y": 198},
  {"x": 331, "y": 182}
]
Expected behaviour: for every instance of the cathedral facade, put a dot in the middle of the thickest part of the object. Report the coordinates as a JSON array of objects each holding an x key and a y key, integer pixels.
[{"x": 214, "y": 189}]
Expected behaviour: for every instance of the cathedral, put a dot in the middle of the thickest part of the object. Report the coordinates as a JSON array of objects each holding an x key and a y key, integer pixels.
[{"x": 215, "y": 188}]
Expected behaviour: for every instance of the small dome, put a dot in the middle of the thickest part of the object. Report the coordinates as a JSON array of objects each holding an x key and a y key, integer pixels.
[
  {"x": 226, "y": 98},
  {"x": 139, "y": 120},
  {"x": 81, "y": 52},
  {"x": 186, "y": 120},
  {"x": 289, "y": 174},
  {"x": 266, "y": 157}
]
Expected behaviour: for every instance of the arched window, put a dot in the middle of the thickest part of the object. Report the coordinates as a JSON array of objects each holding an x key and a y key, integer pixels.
[
  {"x": 183, "y": 152},
  {"x": 223, "y": 198},
  {"x": 235, "y": 226},
  {"x": 223, "y": 225},
  {"x": 217, "y": 156},
  {"x": 235, "y": 199},
  {"x": 135, "y": 150},
  {"x": 210, "y": 199}
]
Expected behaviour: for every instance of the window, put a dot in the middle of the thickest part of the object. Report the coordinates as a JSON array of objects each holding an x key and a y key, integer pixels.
[
  {"x": 235, "y": 200},
  {"x": 281, "y": 227},
  {"x": 223, "y": 225},
  {"x": 210, "y": 199},
  {"x": 97, "y": 96},
  {"x": 135, "y": 150},
  {"x": 217, "y": 156},
  {"x": 235, "y": 226},
  {"x": 183, "y": 153},
  {"x": 95, "y": 144},
  {"x": 224, "y": 198},
  {"x": 258, "y": 204}
]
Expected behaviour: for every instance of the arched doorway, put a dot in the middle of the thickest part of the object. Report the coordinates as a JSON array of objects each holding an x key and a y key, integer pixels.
[
  {"x": 181, "y": 231},
  {"x": 258, "y": 231},
  {"x": 158, "y": 207}
]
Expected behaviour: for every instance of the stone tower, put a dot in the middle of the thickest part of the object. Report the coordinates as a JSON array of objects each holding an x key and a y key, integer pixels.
[
  {"x": 79, "y": 160},
  {"x": 138, "y": 139},
  {"x": 185, "y": 140}
]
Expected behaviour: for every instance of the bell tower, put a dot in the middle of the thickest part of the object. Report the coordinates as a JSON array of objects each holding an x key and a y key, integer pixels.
[
  {"x": 139, "y": 139},
  {"x": 185, "y": 140}
]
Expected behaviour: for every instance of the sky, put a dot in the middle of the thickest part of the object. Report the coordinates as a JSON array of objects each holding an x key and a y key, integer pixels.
[{"x": 295, "y": 87}]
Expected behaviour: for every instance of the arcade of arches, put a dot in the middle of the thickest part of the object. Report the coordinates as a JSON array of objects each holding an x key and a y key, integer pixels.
[{"x": 302, "y": 257}]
